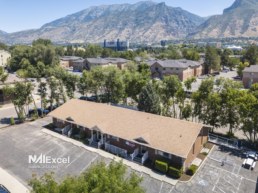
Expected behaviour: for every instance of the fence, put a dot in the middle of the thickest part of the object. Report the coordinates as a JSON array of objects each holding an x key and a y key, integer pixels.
[{"x": 232, "y": 143}]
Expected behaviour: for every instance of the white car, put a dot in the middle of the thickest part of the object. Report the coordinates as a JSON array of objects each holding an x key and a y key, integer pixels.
[{"x": 250, "y": 161}]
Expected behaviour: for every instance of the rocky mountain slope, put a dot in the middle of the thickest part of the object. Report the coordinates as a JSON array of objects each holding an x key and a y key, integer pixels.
[
  {"x": 140, "y": 22},
  {"x": 239, "y": 20}
]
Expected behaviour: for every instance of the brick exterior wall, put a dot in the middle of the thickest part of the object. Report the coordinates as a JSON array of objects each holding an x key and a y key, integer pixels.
[
  {"x": 159, "y": 72},
  {"x": 153, "y": 154},
  {"x": 249, "y": 79},
  {"x": 197, "y": 147}
]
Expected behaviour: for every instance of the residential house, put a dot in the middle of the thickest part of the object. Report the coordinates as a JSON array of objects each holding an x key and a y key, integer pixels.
[
  {"x": 182, "y": 68},
  {"x": 11, "y": 80},
  {"x": 250, "y": 76},
  {"x": 131, "y": 134},
  {"x": 4, "y": 57},
  {"x": 68, "y": 61},
  {"x": 104, "y": 62}
]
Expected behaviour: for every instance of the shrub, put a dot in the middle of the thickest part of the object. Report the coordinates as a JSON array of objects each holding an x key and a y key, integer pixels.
[
  {"x": 161, "y": 166},
  {"x": 12, "y": 121},
  {"x": 191, "y": 170},
  {"x": 204, "y": 153},
  {"x": 175, "y": 172}
]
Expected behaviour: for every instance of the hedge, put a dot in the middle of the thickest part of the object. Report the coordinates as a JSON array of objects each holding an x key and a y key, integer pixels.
[
  {"x": 161, "y": 166},
  {"x": 192, "y": 169},
  {"x": 12, "y": 121},
  {"x": 175, "y": 172}
]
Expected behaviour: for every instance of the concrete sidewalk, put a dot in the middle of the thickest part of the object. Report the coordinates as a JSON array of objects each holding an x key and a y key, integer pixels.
[
  {"x": 128, "y": 163},
  {"x": 12, "y": 184}
]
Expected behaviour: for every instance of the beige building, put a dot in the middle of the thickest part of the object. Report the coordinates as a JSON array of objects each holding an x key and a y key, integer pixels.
[
  {"x": 182, "y": 68},
  {"x": 132, "y": 134},
  {"x": 250, "y": 76},
  {"x": 68, "y": 61},
  {"x": 4, "y": 57}
]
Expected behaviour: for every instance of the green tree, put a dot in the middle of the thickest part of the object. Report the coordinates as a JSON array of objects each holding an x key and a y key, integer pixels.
[
  {"x": 98, "y": 178},
  {"x": 84, "y": 83},
  {"x": 3, "y": 75},
  {"x": 241, "y": 67},
  {"x": 229, "y": 107},
  {"x": 225, "y": 57},
  {"x": 113, "y": 85},
  {"x": 42, "y": 89},
  {"x": 188, "y": 83},
  {"x": 171, "y": 84},
  {"x": 149, "y": 100},
  {"x": 21, "y": 97},
  {"x": 212, "y": 59},
  {"x": 251, "y": 55},
  {"x": 191, "y": 54},
  {"x": 248, "y": 110}
]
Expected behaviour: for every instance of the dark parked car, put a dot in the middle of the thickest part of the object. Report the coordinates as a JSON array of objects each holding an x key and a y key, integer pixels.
[
  {"x": 91, "y": 98},
  {"x": 40, "y": 111},
  {"x": 101, "y": 98},
  {"x": 3, "y": 189}
]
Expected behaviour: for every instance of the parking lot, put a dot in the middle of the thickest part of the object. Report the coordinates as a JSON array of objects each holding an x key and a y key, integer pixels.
[
  {"x": 20, "y": 141},
  {"x": 229, "y": 178}
]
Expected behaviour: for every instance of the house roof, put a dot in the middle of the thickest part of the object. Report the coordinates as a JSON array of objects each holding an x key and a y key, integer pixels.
[
  {"x": 106, "y": 60},
  {"x": 182, "y": 63},
  {"x": 252, "y": 68},
  {"x": 70, "y": 58},
  {"x": 162, "y": 133}
]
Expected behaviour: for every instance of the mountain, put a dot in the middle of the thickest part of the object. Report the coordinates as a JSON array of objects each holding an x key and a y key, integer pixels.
[
  {"x": 141, "y": 22},
  {"x": 239, "y": 20}
]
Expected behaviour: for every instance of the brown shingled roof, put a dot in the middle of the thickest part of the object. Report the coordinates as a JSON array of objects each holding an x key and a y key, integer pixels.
[{"x": 162, "y": 133}]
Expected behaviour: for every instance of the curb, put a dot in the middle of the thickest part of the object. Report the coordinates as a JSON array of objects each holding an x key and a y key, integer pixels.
[
  {"x": 199, "y": 166},
  {"x": 105, "y": 154}
]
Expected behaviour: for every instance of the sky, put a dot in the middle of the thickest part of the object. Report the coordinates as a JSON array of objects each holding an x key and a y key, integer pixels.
[{"x": 17, "y": 15}]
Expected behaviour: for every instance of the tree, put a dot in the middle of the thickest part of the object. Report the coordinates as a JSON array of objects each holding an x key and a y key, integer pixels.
[
  {"x": 149, "y": 100},
  {"x": 171, "y": 84},
  {"x": 98, "y": 178},
  {"x": 42, "y": 89},
  {"x": 70, "y": 82},
  {"x": 212, "y": 110},
  {"x": 251, "y": 55},
  {"x": 188, "y": 83},
  {"x": 84, "y": 83},
  {"x": 248, "y": 109},
  {"x": 225, "y": 57},
  {"x": 229, "y": 107},
  {"x": 135, "y": 79},
  {"x": 113, "y": 85},
  {"x": 191, "y": 54},
  {"x": 21, "y": 97},
  {"x": 212, "y": 60},
  {"x": 187, "y": 111},
  {"x": 241, "y": 67},
  {"x": 3, "y": 75}
]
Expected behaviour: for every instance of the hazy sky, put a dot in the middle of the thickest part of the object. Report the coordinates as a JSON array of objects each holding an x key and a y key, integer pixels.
[{"x": 16, "y": 15}]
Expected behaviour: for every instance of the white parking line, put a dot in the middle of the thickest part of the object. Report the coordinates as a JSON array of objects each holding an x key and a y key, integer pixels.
[
  {"x": 74, "y": 160},
  {"x": 83, "y": 169},
  {"x": 161, "y": 187}
]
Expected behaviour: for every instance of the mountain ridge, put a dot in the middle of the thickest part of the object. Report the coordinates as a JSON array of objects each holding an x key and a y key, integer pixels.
[
  {"x": 144, "y": 21},
  {"x": 238, "y": 20}
]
